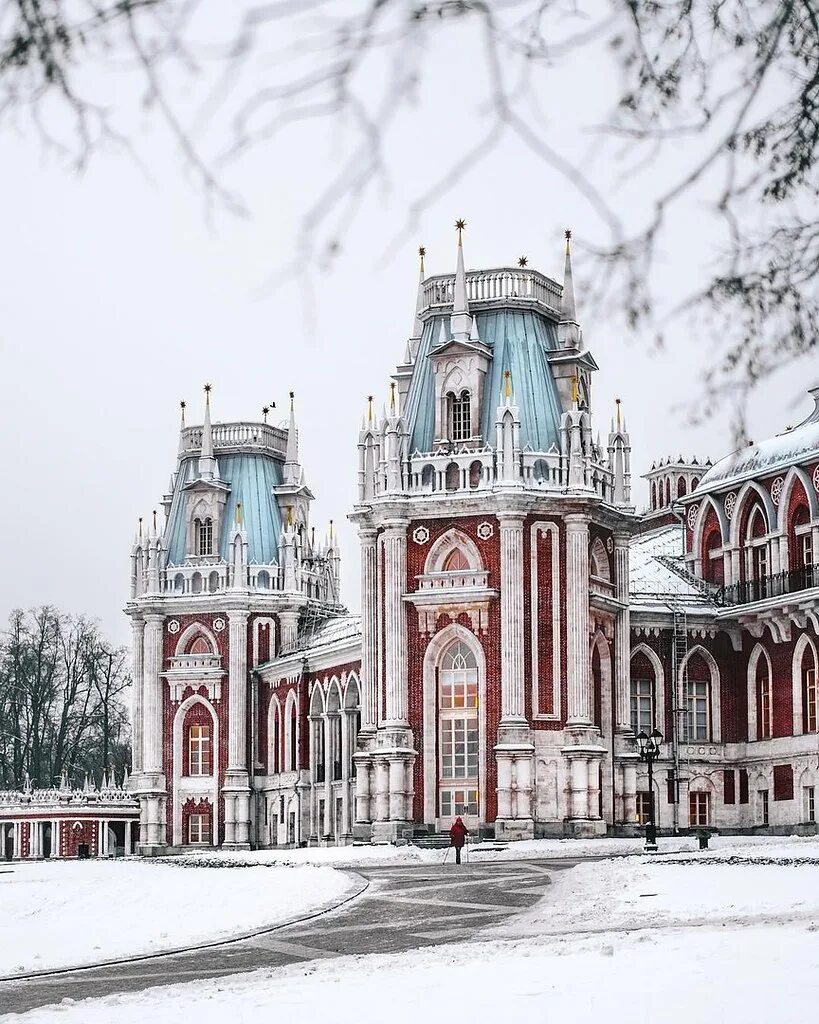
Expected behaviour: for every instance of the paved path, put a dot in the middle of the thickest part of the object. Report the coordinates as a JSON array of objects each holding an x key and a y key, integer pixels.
[{"x": 403, "y": 908}]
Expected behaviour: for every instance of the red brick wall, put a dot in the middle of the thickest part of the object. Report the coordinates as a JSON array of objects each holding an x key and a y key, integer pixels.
[
  {"x": 783, "y": 782},
  {"x": 72, "y": 837}
]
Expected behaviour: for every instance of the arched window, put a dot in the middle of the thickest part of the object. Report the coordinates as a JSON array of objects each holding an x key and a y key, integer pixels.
[
  {"x": 456, "y": 561},
  {"x": 293, "y": 765},
  {"x": 460, "y": 421},
  {"x": 668, "y": 490},
  {"x": 810, "y": 694},
  {"x": 458, "y": 732},
  {"x": 695, "y": 483},
  {"x": 681, "y": 487},
  {"x": 697, "y": 721},
  {"x": 599, "y": 561},
  {"x": 802, "y": 539},
  {"x": 653, "y": 494},
  {"x": 541, "y": 471},
  {"x": 453, "y": 476},
  {"x": 199, "y": 750},
  {"x": 275, "y": 739},
  {"x": 475, "y": 474},
  {"x": 199, "y": 646},
  {"x": 642, "y": 695},
  {"x": 204, "y": 536},
  {"x": 713, "y": 569},
  {"x": 756, "y": 564},
  {"x": 764, "y": 699},
  {"x": 428, "y": 477}
]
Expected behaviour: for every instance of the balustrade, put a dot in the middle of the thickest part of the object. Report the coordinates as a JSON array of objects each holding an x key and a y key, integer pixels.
[
  {"x": 236, "y": 435},
  {"x": 502, "y": 284}
]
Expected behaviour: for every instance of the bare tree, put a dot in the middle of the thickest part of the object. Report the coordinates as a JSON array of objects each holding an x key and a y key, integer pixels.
[
  {"x": 62, "y": 700},
  {"x": 730, "y": 88}
]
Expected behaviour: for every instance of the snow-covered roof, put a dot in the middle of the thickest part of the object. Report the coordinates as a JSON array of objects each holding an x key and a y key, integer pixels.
[
  {"x": 652, "y": 579},
  {"x": 336, "y": 630},
  {"x": 785, "y": 449}
]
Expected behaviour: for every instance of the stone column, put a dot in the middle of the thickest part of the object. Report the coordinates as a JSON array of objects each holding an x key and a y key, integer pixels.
[
  {"x": 622, "y": 636},
  {"x": 137, "y": 709},
  {"x": 326, "y": 725},
  {"x": 382, "y": 789},
  {"x": 511, "y": 606},
  {"x": 236, "y": 788},
  {"x": 577, "y": 619},
  {"x": 289, "y": 625},
  {"x": 579, "y": 787},
  {"x": 395, "y": 576},
  {"x": 152, "y": 781},
  {"x": 362, "y": 791},
  {"x": 630, "y": 792},
  {"x": 369, "y": 630}
]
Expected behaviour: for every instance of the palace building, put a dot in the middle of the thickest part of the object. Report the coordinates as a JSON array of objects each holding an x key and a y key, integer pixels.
[{"x": 520, "y": 620}]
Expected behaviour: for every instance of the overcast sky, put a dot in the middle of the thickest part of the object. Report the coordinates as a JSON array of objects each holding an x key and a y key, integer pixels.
[{"x": 120, "y": 297}]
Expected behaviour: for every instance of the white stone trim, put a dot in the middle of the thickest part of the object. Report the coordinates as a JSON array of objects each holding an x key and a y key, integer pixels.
[
  {"x": 714, "y": 694},
  {"x": 796, "y": 680},
  {"x": 557, "y": 678},
  {"x": 194, "y": 629},
  {"x": 195, "y": 785}
]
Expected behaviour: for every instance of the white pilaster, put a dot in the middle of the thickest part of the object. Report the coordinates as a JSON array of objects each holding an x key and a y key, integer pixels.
[
  {"x": 395, "y": 575},
  {"x": 369, "y": 631},
  {"x": 622, "y": 639},
  {"x": 511, "y": 600},
  {"x": 137, "y": 655},
  {"x": 577, "y": 619}
]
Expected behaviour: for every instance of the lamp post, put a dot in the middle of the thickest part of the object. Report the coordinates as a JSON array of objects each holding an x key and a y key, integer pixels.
[{"x": 649, "y": 748}]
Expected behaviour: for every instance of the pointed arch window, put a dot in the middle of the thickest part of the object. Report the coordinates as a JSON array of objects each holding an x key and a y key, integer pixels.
[
  {"x": 460, "y": 416},
  {"x": 459, "y": 739},
  {"x": 764, "y": 699},
  {"x": 456, "y": 561},
  {"x": 204, "y": 535}
]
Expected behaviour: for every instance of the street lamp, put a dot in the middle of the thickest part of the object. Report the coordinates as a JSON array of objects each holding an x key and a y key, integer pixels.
[{"x": 649, "y": 748}]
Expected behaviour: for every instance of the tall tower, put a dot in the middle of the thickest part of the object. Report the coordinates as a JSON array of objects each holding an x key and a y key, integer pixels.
[
  {"x": 494, "y": 554},
  {"x": 217, "y": 591}
]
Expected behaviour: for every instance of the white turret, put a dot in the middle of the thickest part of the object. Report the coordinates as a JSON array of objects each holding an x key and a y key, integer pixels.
[
  {"x": 292, "y": 468},
  {"x": 208, "y": 467},
  {"x": 620, "y": 459},
  {"x": 460, "y": 321},
  {"x": 238, "y": 551},
  {"x": 393, "y": 443},
  {"x": 568, "y": 330},
  {"x": 507, "y": 425}
]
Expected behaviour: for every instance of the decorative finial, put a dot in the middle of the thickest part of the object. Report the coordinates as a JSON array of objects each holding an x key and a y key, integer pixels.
[
  {"x": 292, "y": 395},
  {"x": 392, "y": 396},
  {"x": 507, "y": 383},
  {"x": 460, "y": 224},
  {"x": 207, "y": 389},
  {"x": 265, "y": 411},
  {"x": 568, "y": 234},
  {"x": 183, "y": 405},
  {"x": 154, "y": 520},
  {"x": 422, "y": 253},
  {"x": 369, "y": 408},
  {"x": 575, "y": 390},
  {"x": 289, "y": 515},
  {"x": 523, "y": 261},
  {"x": 239, "y": 514},
  {"x": 140, "y": 527},
  {"x": 312, "y": 538},
  {"x": 617, "y": 403},
  {"x": 331, "y": 531}
]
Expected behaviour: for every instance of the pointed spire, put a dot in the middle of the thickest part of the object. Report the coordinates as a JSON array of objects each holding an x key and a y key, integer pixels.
[
  {"x": 240, "y": 518},
  {"x": 292, "y": 469},
  {"x": 443, "y": 335},
  {"x": 507, "y": 386},
  {"x": 575, "y": 391},
  {"x": 617, "y": 403},
  {"x": 417, "y": 326},
  {"x": 567, "y": 307},
  {"x": 208, "y": 469},
  {"x": 392, "y": 399},
  {"x": 369, "y": 410},
  {"x": 140, "y": 529},
  {"x": 474, "y": 336},
  {"x": 460, "y": 306},
  {"x": 182, "y": 406}
]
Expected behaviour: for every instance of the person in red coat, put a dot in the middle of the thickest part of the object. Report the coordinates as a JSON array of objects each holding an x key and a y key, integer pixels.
[{"x": 457, "y": 837}]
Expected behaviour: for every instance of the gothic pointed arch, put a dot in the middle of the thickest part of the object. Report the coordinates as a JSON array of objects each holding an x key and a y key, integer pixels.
[
  {"x": 599, "y": 564},
  {"x": 208, "y": 785},
  {"x": 760, "y": 708},
  {"x": 446, "y": 544},
  {"x": 749, "y": 493},
  {"x": 796, "y": 476},
  {"x": 706, "y": 505},
  {"x": 193, "y": 632},
  {"x": 658, "y": 690},
  {"x": 275, "y": 736},
  {"x": 804, "y": 686},
  {"x": 714, "y": 696}
]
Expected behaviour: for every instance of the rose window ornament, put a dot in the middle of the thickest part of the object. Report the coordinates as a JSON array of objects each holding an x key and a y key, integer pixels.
[
  {"x": 692, "y": 516},
  {"x": 816, "y": 479},
  {"x": 218, "y": 625},
  {"x": 485, "y": 531},
  {"x": 730, "y": 504},
  {"x": 776, "y": 490},
  {"x": 173, "y": 626},
  {"x": 420, "y": 535}
]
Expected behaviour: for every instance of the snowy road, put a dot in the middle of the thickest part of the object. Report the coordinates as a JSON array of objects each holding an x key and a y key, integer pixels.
[{"x": 405, "y": 907}]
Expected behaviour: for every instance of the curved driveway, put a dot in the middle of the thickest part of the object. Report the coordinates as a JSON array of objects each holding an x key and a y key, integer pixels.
[{"x": 403, "y": 908}]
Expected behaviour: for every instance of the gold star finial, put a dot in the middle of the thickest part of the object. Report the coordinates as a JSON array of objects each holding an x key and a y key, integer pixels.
[
  {"x": 507, "y": 383},
  {"x": 523, "y": 261},
  {"x": 265, "y": 411},
  {"x": 617, "y": 403},
  {"x": 369, "y": 408},
  {"x": 460, "y": 224},
  {"x": 183, "y": 406},
  {"x": 392, "y": 396},
  {"x": 207, "y": 389},
  {"x": 575, "y": 390},
  {"x": 422, "y": 253}
]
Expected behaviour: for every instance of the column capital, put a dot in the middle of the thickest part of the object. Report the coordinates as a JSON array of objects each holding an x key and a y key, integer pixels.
[
  {"x": 239, "y": 616},
  {"x": 368, "y": 534},
  {"x": 513, "y": 519},
  {"x": 396, "y": 527},
  {"x": 154, "y": 618},
  {"x": 577, "y": 522},
  {"x": 621, "y": 537}
]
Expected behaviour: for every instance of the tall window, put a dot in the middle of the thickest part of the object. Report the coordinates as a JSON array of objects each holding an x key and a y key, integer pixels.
[
  {"x": 642, "y": 705},
  {"x": 763, "y": 699},
  {"x": 699, "y": 809},
  {"x": 695, "y": 724},
  {"x": 458, "y": 731},
  {"x": 460, "y": 417},
  {"x": 810, "y": 695},
  {"x": 199, "y": 750},
  {"x": 643, "y": 807},
  {"x": 810, "y": 803},
  {"x": 763, "y": 806},
  {"x": 293, "y": 738},
  {"x": 199, "y": 829},
  {"x": 204, "y": 536}
]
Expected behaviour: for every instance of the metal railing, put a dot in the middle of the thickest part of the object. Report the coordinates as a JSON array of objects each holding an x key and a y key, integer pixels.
[{"x": 779, "y": 584}]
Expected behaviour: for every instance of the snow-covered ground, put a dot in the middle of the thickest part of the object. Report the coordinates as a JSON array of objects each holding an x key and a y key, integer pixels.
[
  {"x": 617, "y": 940},
  {"x": 62, "y": 913},
  {"x": 366, "y": 855}
]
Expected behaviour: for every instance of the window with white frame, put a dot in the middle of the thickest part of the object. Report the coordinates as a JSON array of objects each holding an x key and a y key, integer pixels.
[
  {"x": 809, "y": 801},
  {"x": 204, "y": 536},
  {"x": 695, "y": 723},
  {"x": 807, "y": 548},
  {"x": 460, "y": 416},
  {"x": 764, "y": 697},
  {"x": 459, "y": 740},
  {"x": 199, "y": 829},
  {"x": 762, "y": 806},
  {"x": 643, "y": 807},
  {"x": 699, "y": 809},
  {"x": 199, "y": 749},
  {"x": 642, "y": 705},
  {"x": 811, "y": 695}
]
